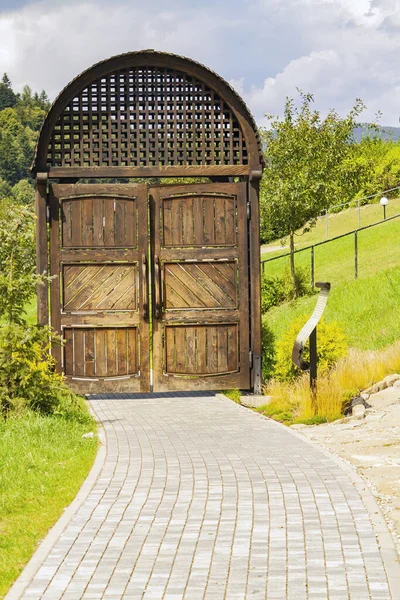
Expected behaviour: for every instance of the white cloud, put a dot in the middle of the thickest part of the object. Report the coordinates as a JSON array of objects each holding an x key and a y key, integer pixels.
[{"x": 336, "y": 49}]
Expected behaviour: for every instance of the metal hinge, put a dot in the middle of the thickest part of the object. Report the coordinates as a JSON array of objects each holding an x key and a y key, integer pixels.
[
  {"x": 251, "y": 359},
  {"x": 47, "y": 213},
  {"x": 248, "y": 211}
]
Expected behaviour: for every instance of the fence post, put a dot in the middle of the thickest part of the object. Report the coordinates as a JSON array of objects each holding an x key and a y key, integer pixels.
[
  {"x": 312, "y": 267},
  {"x": 356, "y": 254},
  {"x": 359, "y": 215}
]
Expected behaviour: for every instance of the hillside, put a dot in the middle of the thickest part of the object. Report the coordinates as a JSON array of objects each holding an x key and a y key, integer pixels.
[{"x": 368, "y": 308}]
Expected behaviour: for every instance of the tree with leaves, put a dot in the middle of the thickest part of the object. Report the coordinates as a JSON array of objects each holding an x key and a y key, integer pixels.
[
  {"x": 7, "y": 96},
  {"x": 304, "y": 155}
]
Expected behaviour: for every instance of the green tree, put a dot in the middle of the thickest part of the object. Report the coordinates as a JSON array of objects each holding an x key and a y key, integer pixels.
[
  {"x": 304, "y": 155},
  {"x": 7, "y": 96}
]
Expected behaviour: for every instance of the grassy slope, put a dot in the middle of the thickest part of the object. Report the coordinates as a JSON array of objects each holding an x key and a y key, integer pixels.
[
  {"x": 43, "y": 463},
  {"x": 341, "y": 223},
  {"x": 369, "y": 307}
]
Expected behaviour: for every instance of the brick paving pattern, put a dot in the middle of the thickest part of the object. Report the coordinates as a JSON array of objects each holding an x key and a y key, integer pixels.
[{"x": 200, "y": 498}]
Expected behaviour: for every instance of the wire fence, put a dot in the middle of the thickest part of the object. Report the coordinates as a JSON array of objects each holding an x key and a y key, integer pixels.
[{"x": 350, "y": 253}]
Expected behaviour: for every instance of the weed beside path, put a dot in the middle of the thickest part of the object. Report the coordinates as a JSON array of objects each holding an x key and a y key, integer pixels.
[{"x": 43, "y": 462}]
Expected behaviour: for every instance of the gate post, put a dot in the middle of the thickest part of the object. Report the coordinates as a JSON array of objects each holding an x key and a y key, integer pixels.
[
  {"x": 255, "y": 281},
  {"x": 41, "y": 248}
]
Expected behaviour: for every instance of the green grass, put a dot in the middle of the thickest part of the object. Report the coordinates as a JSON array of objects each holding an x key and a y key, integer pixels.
[
  {"x": 43, "y": 462},
  {"x": 340, "y": 223},
  {"x": 378, "y": 249}
]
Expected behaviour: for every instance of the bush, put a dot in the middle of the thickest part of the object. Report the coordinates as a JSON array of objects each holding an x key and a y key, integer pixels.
[
  {"x": 27, "y": 377},
  {"x": 277, "y": 290},
  {"x": 268, "y": 351},
  {"x": 331, "y": 346}
]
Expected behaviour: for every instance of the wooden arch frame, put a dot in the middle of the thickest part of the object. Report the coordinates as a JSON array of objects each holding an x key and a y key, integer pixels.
[
  {"x": 248, "y": 171},
  {"x": 142, "y": 59}
]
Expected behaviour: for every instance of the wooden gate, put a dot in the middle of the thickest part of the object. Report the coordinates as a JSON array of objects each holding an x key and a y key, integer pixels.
[
  {"x": 197, "y": 269},
  {"x": 153, "y": 286}
]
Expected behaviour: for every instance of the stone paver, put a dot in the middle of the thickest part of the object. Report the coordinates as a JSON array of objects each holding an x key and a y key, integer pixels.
[{"x": 200, "y": 498}]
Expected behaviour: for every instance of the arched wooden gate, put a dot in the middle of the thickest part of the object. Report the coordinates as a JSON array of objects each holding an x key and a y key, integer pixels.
[{"x": 149, "y": 279}]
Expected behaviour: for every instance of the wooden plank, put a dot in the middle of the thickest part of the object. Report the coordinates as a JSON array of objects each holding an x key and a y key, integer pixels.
[
  {"x": 122, "y": 350},
  {"x": 230, "y": 221},
  {"x": 209, "y": 221},
  {"x": 167, "y": 223},
  {"x": 212, "y": 350},
  {"x": 55, "y": 303},
  {"x": 132, "y": 350},
  {"x": 79, "y": 352},
  {"x": 111, "y": 352},
  {"x": 187, "y": 225},
  {"x": 223, "y": 290},
  {"x": 170, "y": 350},
  {"x": 109, "y": 222},
  {"x": 198, "y": 224},
  {"x": 66, "y": 223},
  {"x": 87, "y": 222},
  {"x": 101, "y": 352},
  {"x": 201, "y": 349},
  {"x": 98, "y": 255},
  {"x": 176, "y": 222},
  {"x": 89, "y": 353},
  {"x": 180, "y": 357},
  {"x": 41, "y": 252},
  {"x": 120, "y": 222},
  {"x": 222, "y": 332},
  {"x": 220, "y": 236},
  {"x": 233, "y": 348},
  {"x": 98, "y": 228},
  {"x": 130, "y": 223},
  {"x": 190, "y": 349},
  {"x": 76, "y": 226},
  {"x": 150, "y": 171}
]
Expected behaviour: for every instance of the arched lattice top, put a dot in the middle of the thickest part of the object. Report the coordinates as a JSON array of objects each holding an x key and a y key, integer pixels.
[{"x": 147, "y": 115}]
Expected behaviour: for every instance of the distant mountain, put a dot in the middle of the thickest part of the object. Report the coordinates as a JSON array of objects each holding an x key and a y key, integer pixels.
[{"x": 385, "y": 133}]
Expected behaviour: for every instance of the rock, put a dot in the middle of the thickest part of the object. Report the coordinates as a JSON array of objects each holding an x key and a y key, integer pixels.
[
  {"x": 391, "y": 379},
  {"x": 88, "y": 435},
  {"x": 397, "y": 384},
  {"x": 358, "y": 411},
  {"x": 365, "y": 396},
  {"x": 254, "y": 401}
]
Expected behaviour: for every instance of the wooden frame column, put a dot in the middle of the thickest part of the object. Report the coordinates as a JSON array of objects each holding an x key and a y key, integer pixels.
[
  {"x": 42, "y": 248},
  {"x": 255, "y": 278}
]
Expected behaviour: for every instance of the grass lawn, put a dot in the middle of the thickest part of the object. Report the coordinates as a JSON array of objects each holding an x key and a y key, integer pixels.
[
  {"x": 43, "y": 462},
  {"x": 341, "y": 223},
  {"x": 378, "y": 249},
  {"x": 368, "y": 307}
]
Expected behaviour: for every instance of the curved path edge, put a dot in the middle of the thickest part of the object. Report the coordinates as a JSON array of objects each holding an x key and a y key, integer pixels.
[
  {"x": 385, "y": 540},
  {"x": 45, "y": 546}
]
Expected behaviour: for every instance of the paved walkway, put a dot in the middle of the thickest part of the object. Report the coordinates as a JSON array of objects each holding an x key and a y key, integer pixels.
[{"x": 199, "y": 498}]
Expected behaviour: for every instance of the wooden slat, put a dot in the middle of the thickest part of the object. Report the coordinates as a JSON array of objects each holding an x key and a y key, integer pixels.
[
  {"x": 201, "y": 349},
  {"x": 230, "y": 216},
  {"x": 179, "y": 349},
  {"x": 98, "y": 215},
  {"x": 220, "y": 237},
  {"x": 190, "y": 349},
  {"x": 158, "y": 171},
  {"x": 167, "y": 223},
  {"x": 42, "y": 253},
  {"x": 209, "y": 221},
  {"x": 76, "y": 223},
  {"x": 131, "y": 223},
  {"x": 101, "y": 352},
  {"x": 87, "y": 222},
  {"x": 212, "y": 350},
  {"x": 233, "y": 350},
  {"x": 198, "y": 223},
  {"x": 68, "y": 352},
  {"x": 122, "y": 349},
  {"x": 109, "y": 222},
  {"x": 222, "y": 332},
  {"x": 89, "y": 353},
  {"x": 176, "y": 222},
  {"x": 132, "y": 350},
  {"x": 187, "y": 217},
  {"x": 170, "y": 362},
  {"x": 66, "y": 223},
  {"x": 111, "y": 353},
  {"x": 79, "y": 352}
]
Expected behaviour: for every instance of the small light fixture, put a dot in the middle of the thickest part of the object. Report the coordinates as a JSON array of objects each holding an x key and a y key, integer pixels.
[{"x": 384, "y": 202}]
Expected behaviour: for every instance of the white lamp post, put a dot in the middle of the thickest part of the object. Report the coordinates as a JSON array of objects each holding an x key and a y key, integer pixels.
[{"x": 384, "y": 202}]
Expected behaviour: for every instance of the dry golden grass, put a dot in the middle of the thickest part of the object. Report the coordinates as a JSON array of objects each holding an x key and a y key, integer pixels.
[{"x": 292, "y": 402}]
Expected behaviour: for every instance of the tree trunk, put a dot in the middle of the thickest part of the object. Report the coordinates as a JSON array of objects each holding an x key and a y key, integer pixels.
[{"x": 292, "y": 269}]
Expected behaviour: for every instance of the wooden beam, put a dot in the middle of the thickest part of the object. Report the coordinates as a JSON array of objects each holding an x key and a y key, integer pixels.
[
  {"x": 255, "y": 282},
  {"x": 41, "y": 249},
  {"x": 160, "y": 171}
]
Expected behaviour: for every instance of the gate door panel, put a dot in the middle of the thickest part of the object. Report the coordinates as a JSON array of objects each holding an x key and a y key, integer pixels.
[
  {"x": 99, "y": 298},
  {"x": 200, "y": 265}
]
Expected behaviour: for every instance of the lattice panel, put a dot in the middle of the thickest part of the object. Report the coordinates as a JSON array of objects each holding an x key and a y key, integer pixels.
[
  {"x": 147, "y": 117},
  {"x": 200, "y": 285},
  {"x": 201, "y": 350}
]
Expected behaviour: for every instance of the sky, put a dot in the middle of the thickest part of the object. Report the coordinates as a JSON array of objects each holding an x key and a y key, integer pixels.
[{"x": 338, "y": 50}]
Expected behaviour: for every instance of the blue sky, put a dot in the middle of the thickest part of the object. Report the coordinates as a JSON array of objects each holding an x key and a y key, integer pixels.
[{"x": 336, "y": 49}]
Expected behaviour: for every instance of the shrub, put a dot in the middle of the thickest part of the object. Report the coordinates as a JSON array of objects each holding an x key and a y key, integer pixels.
[
  {"x": 331, "y": 346},
  {"x": 268, "y": 350},
  {"x": 27, "y": 377},
  {"x": 276, "y": 290}
]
